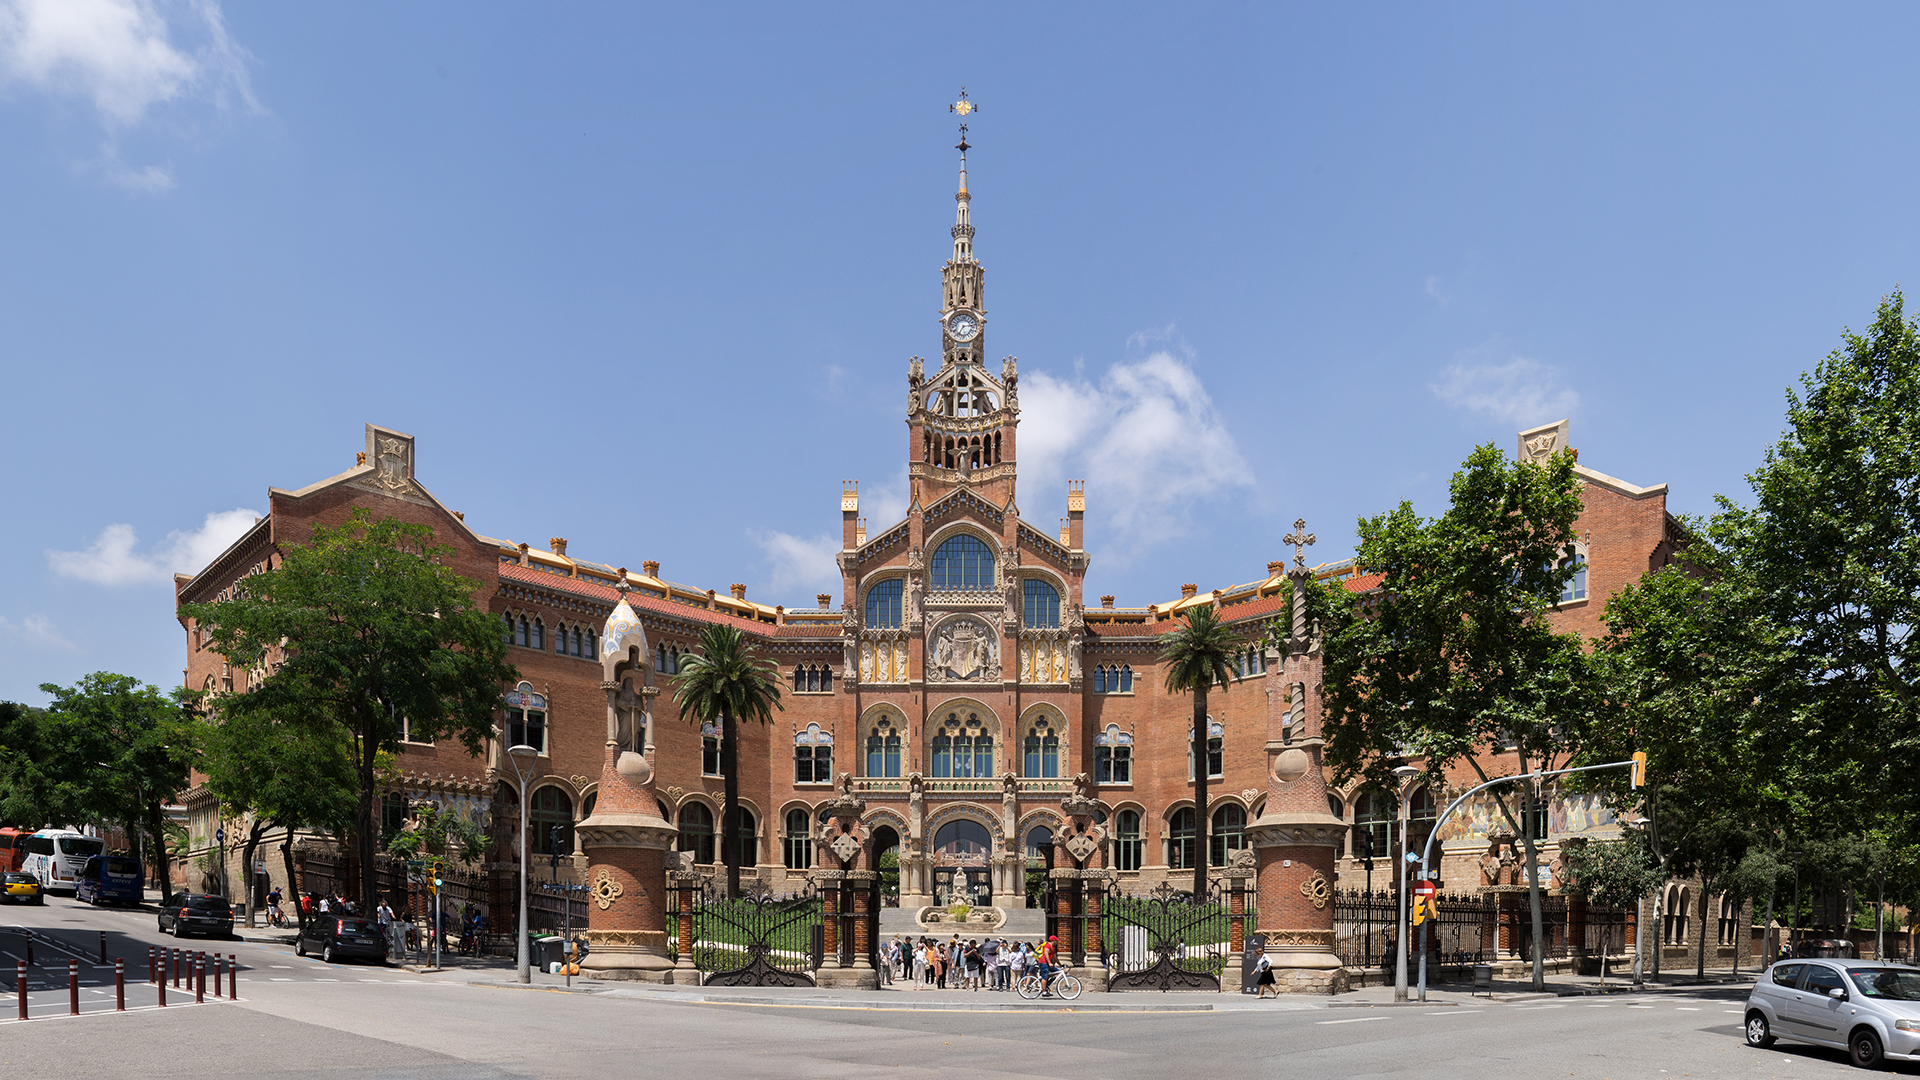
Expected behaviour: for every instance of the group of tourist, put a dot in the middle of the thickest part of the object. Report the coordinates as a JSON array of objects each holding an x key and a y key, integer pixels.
[{"x": 973, "y": 964}]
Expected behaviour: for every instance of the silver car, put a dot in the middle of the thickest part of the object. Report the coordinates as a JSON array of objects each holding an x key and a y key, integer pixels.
[{"x": 1870, "y": 1010}]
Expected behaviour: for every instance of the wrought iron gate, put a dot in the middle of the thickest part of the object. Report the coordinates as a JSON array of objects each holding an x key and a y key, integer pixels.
[
  {"x": 1168, "y": 940},
  {"x": 760, "y": 939}
]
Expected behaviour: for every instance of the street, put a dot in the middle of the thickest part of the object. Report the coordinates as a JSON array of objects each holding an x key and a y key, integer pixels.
[{"x": 297, "y": 1017}]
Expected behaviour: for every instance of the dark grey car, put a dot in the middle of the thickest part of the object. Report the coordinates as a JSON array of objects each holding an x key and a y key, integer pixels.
[
  {"x": 342, "y": 937},
  {"x": 197, "y": 913}
]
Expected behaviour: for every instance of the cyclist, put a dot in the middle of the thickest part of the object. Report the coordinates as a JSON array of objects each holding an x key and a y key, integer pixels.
[{"x": 1045, "y": 961}]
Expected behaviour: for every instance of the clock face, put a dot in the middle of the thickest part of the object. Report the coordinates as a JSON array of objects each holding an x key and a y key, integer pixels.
[{"x": 962, "y": 326}]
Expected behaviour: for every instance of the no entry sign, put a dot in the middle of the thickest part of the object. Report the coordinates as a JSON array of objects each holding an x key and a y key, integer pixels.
[{"x": 1423, "y": 888}]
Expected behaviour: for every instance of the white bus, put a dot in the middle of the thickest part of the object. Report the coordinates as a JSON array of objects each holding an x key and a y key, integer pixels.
[{"x": 56, "y": 857}]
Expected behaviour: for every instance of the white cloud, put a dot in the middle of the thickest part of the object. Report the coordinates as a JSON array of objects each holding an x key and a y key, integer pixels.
[
  {"x": 35, "y": 630},
  {"x": 120, "y": 56},
  {"x": 1492, "y": 380},
  {"x": 801, "y": 563},
  {"x": 1146, "y": 438},
  {"x": 112, "y": 559}
]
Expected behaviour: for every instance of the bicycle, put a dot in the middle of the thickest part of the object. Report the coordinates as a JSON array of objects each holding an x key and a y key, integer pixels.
[{"x": 1059, "y": 984}]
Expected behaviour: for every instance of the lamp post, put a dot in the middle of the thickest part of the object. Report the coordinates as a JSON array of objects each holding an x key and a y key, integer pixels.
[
  {"x": 518, "y": 753},
  {"x": 1403, "y": 773}
]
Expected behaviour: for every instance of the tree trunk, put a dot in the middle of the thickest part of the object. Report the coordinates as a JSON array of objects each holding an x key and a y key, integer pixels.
[
  {"x": 367, "y": 838},
  {"x": 246, "y": 866},
  {"x": 157, "y": 834},
  {"x": 1200, "y": 852},
  {"x": 293, "y": 891},
  {"x": 1767, "y": 937},
  {"x": 730, "y": 812},
  {"x": 1700, "y": 964},
  {"x": 1532, "y": 871}
]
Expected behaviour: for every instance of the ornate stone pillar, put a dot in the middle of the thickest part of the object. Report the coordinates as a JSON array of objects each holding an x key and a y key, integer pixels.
[
  {"x": 1078, "y": 889},
  {"x": 846, "y": 892},
  {"x": 916, "y": 874},
  {"x": 626, "y": 839},
  {"x": 1296, "y": 838}
]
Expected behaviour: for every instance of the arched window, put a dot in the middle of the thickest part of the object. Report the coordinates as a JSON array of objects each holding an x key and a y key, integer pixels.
[
  {"x": 525, "y": 634},
  {"x": 1376, "y": 826},
  {"x": 696, "y": 831},
  {"x": 1113, "y": 756},
  {"x": 1039, "y": 844},
  {"x": 1180, "y": 839},
  {"x": 1126, "y": 679},
  {"x": 1216, "y": 748},
  {"x": 797, "y": 845},
  {"x": 393, "y": 813},
  {"x": 526, "y": 722},
  {"x": 744, "y": 837},
  {"x": 1099, "y": 678},
  {"x": 1041, "y": 753},
  {"x": 1420, "y": 819},
  {"x": 883, "y": 748},
  {"x": 1729, "y": 921},
  {"x": 1040, "y": 607},
  {"x": 539, "y": 639},
  {"x": 710, "y": 749},
  {"x": 1227, "y": 835},
  {"x": 1126, "y": 839},
  {"x": 506, "y": 618},
  {"x": 1338, "y": 809},
  {"x": 560, "y": 639},
  {"x": 813, "y": 756},
  {"x": 962, "y": 747},
  {"x": 591, "y": 647},
  {"x": 1576, "y": 586},
  {"x": 551, "y": 810},
  {"x": 587, "y": 804},
  {"x": 883, "y": 605},
  {"x": 962, "y": 563}
]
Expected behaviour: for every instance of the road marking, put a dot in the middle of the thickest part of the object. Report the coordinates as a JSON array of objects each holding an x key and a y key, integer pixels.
[
  {"x": 1639, "y": 1006},
  {"x": 1686, "y": 1008},
  {"x": 1735, "y": 1012},
  {"x": 326, "y": 980},
  {"x": 281, "y": 967},
  {"x": 280, "y": 980},
  {"x": 1599, "y": 1006},
  {"x": 1355, "y": 1020}
]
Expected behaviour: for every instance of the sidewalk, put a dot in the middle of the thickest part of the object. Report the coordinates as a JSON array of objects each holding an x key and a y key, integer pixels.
[{"x": 1557, "y": 986}]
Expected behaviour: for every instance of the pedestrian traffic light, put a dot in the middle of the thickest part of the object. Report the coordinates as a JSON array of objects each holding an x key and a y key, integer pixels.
[{"x": 1639, "y": 768}]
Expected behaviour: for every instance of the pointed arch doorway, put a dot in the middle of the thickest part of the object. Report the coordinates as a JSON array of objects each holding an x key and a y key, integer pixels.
[{"x": 961, "y": 872}]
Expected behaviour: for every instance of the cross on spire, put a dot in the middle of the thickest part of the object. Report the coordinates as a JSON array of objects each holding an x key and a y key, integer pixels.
[
  {"x": 1301, "y": 539},
  {"x": 965, "y": 108}
]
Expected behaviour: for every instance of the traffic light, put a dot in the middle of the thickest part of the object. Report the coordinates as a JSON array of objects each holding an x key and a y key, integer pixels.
[
  {"x": 1419, "y": 909},
  {"x": 1639, "y": 768}
]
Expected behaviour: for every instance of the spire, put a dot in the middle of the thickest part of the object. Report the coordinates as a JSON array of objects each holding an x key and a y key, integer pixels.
[{"x": 962, "y": 226}]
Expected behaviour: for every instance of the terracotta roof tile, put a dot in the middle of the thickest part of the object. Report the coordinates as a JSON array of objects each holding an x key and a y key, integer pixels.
[{"x": 641, "y": 601}]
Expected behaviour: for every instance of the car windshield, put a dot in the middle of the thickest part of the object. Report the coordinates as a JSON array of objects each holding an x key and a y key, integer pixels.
[
  {"x": 1893, "y": 984},
  {"x": 80, "y": 845},
  {"x": 356, "y": 926},
  {"x": 20, "y": 879}
]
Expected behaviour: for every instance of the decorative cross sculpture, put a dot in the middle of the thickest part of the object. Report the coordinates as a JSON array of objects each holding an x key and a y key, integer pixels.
[
  {"x": 965, "y": 108},
  {"x": 1301, "y": 539}
]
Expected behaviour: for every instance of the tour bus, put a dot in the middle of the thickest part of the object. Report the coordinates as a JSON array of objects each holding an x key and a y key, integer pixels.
[
  {"x": 57, "y": 856},
  {"x": 13, "y": 848}
]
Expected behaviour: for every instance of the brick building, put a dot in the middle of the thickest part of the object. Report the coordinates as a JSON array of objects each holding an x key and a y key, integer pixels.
[{"x": 960, "y": 677}]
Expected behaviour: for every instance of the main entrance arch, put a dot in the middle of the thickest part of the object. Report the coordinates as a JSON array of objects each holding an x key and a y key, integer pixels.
[{"x": 962, "y": 873}]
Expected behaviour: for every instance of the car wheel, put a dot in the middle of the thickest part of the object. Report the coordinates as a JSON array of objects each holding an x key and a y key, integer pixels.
[
  {"x": 178, "y": 931},
  {"x": 299, "y": 946},
  {"x": 326, "y": 953},
  {"x": 1864, "y": 1049},
  {"x": 1758, "y": 1034}
]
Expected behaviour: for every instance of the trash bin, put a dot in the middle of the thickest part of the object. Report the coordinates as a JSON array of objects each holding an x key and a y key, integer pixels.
[
  {"x": 1483, "y": 978},
  {"x": 546, "y": 951}
]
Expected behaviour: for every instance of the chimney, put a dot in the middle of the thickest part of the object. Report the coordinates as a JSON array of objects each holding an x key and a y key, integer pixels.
[
  {"x": 826, "y": 600},
  {"x": 1276, "y": 568},
  {"x": 651, "y": 568},
  {"x": 860, "y": 532},
  {"x": 710, "y": 600},
  {"x": 739, "y": 591},
  {"x": 1188, "y": 591},
  {"x": 1066, "y": 534},
  {"x": 849, "y": 513},
  {"x": 1106, "y": 601},
  {"x": 779, "y": 614},
  {"x": 558, "y": 544},
  {"x": 523, "y": 554}
]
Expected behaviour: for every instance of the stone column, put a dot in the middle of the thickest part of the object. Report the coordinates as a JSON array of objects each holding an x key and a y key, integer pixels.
[
  {"x": 1241, "y": 877},
  {"x": 626, "y": 844},
  {"x": 1082, "y": 845},
  {"x": 846, "y": 891},
  {"x": 1296, "y": 838}
]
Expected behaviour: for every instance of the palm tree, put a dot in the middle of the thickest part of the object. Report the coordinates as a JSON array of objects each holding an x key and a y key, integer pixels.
[
  {"x": 725, "y": 682},
  {"x": 1195, "y": 657}
]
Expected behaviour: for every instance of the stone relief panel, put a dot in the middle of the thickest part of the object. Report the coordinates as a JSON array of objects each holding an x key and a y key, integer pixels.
[{"x": 965, "y": 650}]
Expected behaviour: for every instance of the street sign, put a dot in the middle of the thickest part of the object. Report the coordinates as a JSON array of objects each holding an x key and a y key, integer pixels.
[
  {"x": 219, "y": 836},
  {"x": 1423, "y": 888}
]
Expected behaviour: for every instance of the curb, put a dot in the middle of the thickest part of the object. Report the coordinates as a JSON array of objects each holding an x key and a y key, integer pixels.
[{"x": 903, "y": 1006}]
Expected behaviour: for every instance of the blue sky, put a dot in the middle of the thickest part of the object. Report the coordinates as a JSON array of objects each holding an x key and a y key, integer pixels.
[{"x": 648, "y": 277}]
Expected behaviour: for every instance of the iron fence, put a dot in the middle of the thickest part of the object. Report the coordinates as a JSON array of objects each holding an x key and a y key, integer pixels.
[{"x": 1170, "y": 940}]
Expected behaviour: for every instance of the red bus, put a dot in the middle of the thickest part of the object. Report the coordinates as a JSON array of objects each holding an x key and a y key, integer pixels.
[{"x": 13, "y": 848}]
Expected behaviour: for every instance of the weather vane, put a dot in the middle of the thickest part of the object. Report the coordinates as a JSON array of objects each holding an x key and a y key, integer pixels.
[{"x": 965, "y": 108}]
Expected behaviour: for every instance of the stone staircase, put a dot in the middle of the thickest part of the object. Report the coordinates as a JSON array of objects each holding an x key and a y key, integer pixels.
[{"x": 1022, "y": 924}]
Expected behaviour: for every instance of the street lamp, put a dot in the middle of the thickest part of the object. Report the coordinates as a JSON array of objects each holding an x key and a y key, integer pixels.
[
  {"x": 517, "y": 754},
  {"x": 1403, "y": 773}
]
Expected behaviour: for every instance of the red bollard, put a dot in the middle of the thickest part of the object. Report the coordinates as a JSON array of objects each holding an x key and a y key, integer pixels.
[
  {"x": 119, "y": 985},
  {"x": 73, "y": 988},
  {"x": 20, "y": 984},
  {"x": 219, "y": 969},
  {"x": 176, "y": 956},
  {"x": 199, "y": 977},
  {"x": 233, "y": 976},
  {"x": 162, "y": 986}
]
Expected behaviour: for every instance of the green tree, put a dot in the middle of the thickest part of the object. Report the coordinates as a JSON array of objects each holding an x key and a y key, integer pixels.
[
  {"x": 286, "y": 776},
  {"x": 1832, "y": 545},
  {"x": 1453, "y": 660},
  {"x": 1195, "y": 658},
  {"x": 1615, "y": 874},
  {"x": 725, "y": 682},
  {"x": 109, "y": 750},
  {"x": 361, "y": 630}
]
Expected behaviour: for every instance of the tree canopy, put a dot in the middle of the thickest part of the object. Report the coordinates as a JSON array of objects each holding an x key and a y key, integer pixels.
[
  {"x": 725, "y": 682},
  {"x": 1195, "y": 658}
]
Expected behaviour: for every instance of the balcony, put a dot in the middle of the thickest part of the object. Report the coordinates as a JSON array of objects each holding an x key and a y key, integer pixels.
[{"x": 978, "y": 788}]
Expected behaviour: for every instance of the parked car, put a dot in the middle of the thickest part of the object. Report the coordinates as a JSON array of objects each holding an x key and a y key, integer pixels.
[
  {"x": 197, "y": 913},
  {"x": 1870, "y": 1010},
  {"x": 1829, "y": 948},
  {"x": 109, "y": 879},
  {"x": 21, "y": 888},
  {"x": 342, "y": 937}
]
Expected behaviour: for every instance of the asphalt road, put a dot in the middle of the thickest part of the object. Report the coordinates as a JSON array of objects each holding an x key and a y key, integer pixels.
[{"x": 298, "y": 1018}]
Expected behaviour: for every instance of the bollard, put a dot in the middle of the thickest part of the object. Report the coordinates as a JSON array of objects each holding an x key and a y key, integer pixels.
[
  {"x": 162, "y": 987},
  {"x": 20, "y": 985},
  {"x": 233, "y": 976},
  {"x": 199, "y": 983},
  {"x": 174, "y": 957},
  {"x": 29, "y": 952},
  {"x": 103, "y": 946},
  {"x": 73, "y": 988},
  {"x": 153, "y": 968},
  {"x": 219, "y": 970},
  {"x": 119, "y": 985}
]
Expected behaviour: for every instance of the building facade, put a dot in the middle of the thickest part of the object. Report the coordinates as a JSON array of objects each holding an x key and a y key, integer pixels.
[{"x": 961, "y": 680}]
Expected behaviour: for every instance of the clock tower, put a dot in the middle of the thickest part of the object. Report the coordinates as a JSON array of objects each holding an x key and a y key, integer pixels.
[{"x": 961, "y": 420}]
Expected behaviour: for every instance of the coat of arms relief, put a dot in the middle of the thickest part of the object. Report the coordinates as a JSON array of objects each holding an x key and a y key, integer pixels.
[{"x": 966, "y": 650}]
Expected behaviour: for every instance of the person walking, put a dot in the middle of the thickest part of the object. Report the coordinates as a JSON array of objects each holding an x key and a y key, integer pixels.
[
  {"x": 1016, "y": 965},
  {"x": 989, "y": 956},
  {"x": 383, "y": 918},
  {"x": 1263, "y": 967},
  {"x": 1003, "y": 963}
]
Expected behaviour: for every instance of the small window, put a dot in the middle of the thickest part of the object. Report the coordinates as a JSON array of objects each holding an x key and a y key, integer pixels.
[
  {"x": 883, "y": 749},
  {"x": 526, "y": 722},
  {"x": 552, "y": 822},
  {"x": 1575, "y": 587},
  {"x": 797, "y": 845},
  {"x": 1042, "y": 751},
  {"x": 1228, "y": 834},
  {"x": 883, "y": 605},
  {"x": 1113, "y": 756},
  {"x": 696, "y": 831},
  {"x": 1216, "y": 749},
  {"x": 1126, "y": 839},
  {"x": 1787, "y": 974},
  {"x": 539, "y": 640},
  {"x": 709, "y": 750},
  {"x": 1180, "y": 833},
  {"x": 813, "y": 756},
  {"x": 1041, "y": 606}
]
